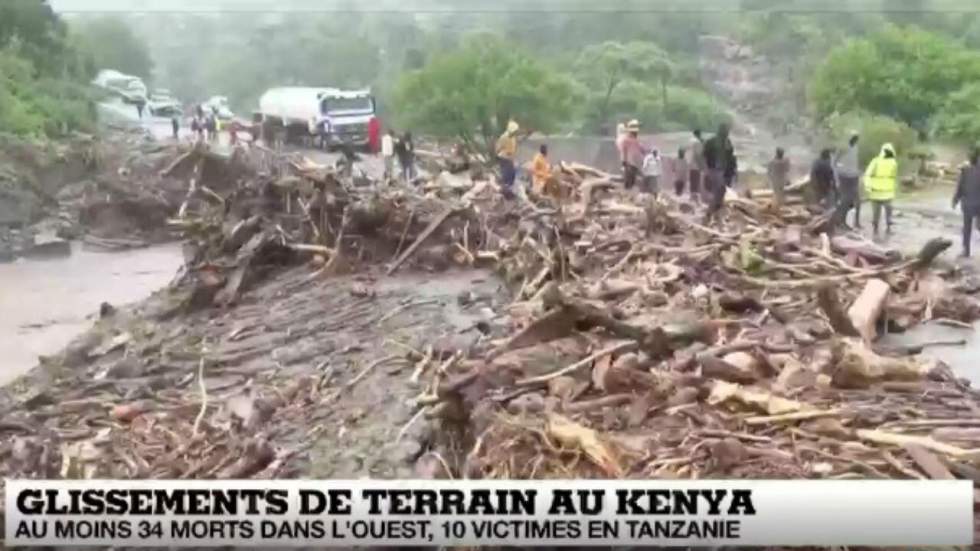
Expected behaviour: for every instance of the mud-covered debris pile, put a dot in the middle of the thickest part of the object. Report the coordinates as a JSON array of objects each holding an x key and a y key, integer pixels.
[
  {"x": 253, "y": 213},
  {"x": 106, "y": 190},
  {"x": 136, "y": 398},
  {"x": 646, "y": 344},
  {"x": 643, "y": 344}
]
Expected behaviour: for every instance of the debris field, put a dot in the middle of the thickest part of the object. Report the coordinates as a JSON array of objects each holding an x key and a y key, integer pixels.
[{"x": 636, "y": 342}]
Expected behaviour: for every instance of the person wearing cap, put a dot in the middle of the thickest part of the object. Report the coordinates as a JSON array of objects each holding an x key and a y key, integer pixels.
[
  {"x": 633, "y": 154},
  {"x": 506, "y": 153},
  {"x": 880, "y": 183},
  {"x": 849, "y": 176},
  {"x": 968, "y": 197}
]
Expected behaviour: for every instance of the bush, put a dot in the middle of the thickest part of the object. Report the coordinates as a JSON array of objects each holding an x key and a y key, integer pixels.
[
  {"x": 32, "y": 106},
  {"x": 875, "y": 130},
  {"x": 686, "y": 108},
  {"x": 905, "y": 73},
  {"x": 960, "y": 117}
]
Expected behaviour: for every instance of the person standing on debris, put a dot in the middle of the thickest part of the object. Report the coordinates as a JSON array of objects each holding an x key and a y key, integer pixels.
[
  {"x": 388, "y": 153},
  {"x": 880, "y": 182},
  {"x": 541, "y": 171},
  {"x": 506, "y": 153},
  {"x": 849, "y": 176},
  {"x": 822, "y": 179},
  {"x": 620, "y": 138},
  {"x": 968, "y": 197},
  {"x": 778, "y": 171},
  {"x": 682, "y": 171},
  {"x": 719, "y": 160},
  {"x": 175, "y": 126},
  {"x": 633, "y": 154},
  {"x": 405, "y": 150},
  {"x": 652, "y": 170},
  {"x": 697, "y": 165}
]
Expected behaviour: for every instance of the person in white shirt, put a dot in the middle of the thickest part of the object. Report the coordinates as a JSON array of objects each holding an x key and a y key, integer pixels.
[
  {"x": 651, "y": 172},
  {"x": 388, "y": 153}
]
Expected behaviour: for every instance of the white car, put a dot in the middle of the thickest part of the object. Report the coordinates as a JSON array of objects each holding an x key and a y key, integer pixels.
[
  {"x": 131, "y": 89},
  {"x": 163, "y": 104}
]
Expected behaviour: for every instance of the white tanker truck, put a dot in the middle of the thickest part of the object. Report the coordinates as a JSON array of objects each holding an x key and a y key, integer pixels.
[{"x": 297, "y": 114}]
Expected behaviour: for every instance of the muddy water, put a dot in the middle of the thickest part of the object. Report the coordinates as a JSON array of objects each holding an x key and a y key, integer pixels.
[
  {"x": 963, "y": 359},
  {"x": 44, "y": 304}
]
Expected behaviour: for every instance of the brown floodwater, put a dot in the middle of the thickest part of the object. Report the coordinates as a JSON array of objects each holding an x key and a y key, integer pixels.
[{"x": 45, "y": 303}]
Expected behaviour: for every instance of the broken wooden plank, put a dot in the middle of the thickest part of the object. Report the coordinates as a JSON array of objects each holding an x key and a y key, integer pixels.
[
  {"x": 867, "y": 308},
  {"x": 928, "y": 462},
  {"x": 436, "y": 222}
]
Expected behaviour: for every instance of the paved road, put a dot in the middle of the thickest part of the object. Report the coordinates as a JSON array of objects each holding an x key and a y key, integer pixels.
[{"x": 160, "y": 128}]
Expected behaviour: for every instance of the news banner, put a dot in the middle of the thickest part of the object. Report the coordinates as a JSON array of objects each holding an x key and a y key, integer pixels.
[{"x": 304, "y": 513}]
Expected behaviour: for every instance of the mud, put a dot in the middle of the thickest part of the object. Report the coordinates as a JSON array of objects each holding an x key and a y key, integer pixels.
[
  {"x": 293, "y": 328},
  {"x": 46, "y": 303}
]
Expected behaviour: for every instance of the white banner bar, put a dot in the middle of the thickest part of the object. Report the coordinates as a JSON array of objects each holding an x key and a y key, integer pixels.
[{"x": 304, "y": 513}]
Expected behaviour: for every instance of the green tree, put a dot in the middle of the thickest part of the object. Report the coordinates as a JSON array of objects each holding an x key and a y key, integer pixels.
[
  {"x": 33, "y": 29},
  {"x": 608, "y": 65},
  {"x": 43, "y": 79},
  {"x": 113, "y": 45},
  {"x": 875, "y": 130},
  {"x": 471, "y": 93},
  {"x": 960, "y": 117},
  {"x": 903, "y": 73}
]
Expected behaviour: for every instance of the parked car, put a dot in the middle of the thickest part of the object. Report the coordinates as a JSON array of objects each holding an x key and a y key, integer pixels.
[
  {"x": 163, "y": 104},
  {"x": 130, "y": 88}
]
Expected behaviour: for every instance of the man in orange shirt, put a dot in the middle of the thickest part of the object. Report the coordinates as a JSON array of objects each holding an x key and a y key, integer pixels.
[{"x": 541, "y": 171}]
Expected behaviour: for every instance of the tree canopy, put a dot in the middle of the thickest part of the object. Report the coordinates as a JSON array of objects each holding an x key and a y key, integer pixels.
[
  {"x": 902, "y": 72},
  {"x": 42, "y": 75},
  {"x": 112, "y": 44},
  {"x": 473, "y": 92}
]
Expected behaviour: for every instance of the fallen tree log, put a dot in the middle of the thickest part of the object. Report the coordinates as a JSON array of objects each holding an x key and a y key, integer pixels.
[
  {"x": 831, "y": 306},
  {"x": 933, "y": 248}
]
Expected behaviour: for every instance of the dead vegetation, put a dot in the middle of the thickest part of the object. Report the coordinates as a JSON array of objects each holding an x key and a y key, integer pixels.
[{"x": 644, "y": 344}]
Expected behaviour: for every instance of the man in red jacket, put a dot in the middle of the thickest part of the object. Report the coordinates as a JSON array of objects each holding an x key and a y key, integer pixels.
[{"x": 374, "y": 134}]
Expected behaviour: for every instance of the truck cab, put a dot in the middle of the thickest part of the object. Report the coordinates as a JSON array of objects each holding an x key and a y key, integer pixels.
[{"x": 349, "y": 113}]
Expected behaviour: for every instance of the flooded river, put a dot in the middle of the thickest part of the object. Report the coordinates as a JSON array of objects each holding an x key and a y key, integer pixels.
[{"x": 46, "y": 303}]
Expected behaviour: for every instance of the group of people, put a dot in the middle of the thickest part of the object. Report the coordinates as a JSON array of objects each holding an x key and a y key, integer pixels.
[
  {"x": 402, "y": 149},
  {"x": 705, "y": 168},
  {"x": 835, "y": 182},
  {"x": 205, "y": 125}
]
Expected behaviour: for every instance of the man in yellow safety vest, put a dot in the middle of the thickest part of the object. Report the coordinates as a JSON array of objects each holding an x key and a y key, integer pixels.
[{"x": 880, "y": 182}]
